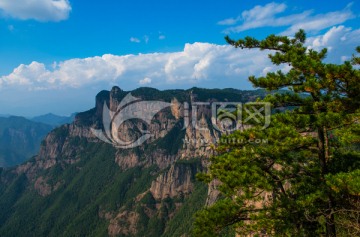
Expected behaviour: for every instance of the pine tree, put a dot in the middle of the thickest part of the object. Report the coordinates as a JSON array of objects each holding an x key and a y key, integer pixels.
[{"x": 305, "y": 181}]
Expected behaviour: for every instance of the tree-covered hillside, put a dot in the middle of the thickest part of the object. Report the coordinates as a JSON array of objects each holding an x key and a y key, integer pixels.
[{"x": 20, "y": 139}]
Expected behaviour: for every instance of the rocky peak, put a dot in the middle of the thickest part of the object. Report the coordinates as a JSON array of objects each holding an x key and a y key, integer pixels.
[
  {"x": 114, "y": 98},
  {"x": 101, "y": 97}
]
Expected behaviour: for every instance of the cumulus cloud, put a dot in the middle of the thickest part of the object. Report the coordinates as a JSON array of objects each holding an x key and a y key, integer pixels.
[
  {"x": 40, "y": 10},
  {"x": 267, "y": 16},
  {"x": 197, "y": 63}
]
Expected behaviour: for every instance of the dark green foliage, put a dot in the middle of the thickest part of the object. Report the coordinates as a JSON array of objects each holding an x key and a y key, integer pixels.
[
  {"x": 146, "y": 93},
  {"x": 149, "y": 200},
  {"x": 10, "y": 196},
  {"x": 182, "y": 219},
  {"x": 172, "y": 142},
  {"x": 61, "y": 132},
  {"x": 93, "y": 185},
  {"x": 305, "y": 180},
  {"x": 182, "y": 222},
  {"x": 231, "y": 95},
  {"x": 170, "y": 220}
]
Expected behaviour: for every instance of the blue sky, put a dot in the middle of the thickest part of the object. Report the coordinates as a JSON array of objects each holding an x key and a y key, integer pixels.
[{"x": 56, "y": 55}]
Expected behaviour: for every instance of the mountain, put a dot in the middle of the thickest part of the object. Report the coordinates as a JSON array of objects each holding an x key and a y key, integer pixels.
[
  {"x": 20, "y": 139},
  {"x": 79, "y": 185},
  {"x": 54, "y": 120}
]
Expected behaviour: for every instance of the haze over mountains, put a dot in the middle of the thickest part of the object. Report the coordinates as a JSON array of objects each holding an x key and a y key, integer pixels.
[
  {"x": 53, "y": 119},
  {"x": 20, "y": 138}
]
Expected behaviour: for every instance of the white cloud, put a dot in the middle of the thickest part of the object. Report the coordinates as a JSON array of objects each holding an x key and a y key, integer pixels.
[
  {"x": 255, "y": 17},
  {"x": 134, "y": 40},
  {"x": 267, "y": 16},
  {"x": 145, "y": 81},
  {"x": 229, "y": 21},
  {"x": 162, "y": 37},
  {"x": 320, "y": 21},
  {"x": 340, "y": 41},
  {"x": 198, "y": 64},
  {"x": 40, "y": 10},
  {"x": 25, "y": 75},
  {"x": 146, "y": 39}
]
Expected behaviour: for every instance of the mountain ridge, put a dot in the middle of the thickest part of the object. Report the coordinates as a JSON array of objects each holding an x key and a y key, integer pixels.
[
  {"x": 20, "y": 139},
  {"x": 53, "y": 119},
  {"x": 79, "y": 185}
]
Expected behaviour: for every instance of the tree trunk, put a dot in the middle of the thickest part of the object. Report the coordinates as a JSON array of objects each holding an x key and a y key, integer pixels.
[{"x": 324, "y": 157}]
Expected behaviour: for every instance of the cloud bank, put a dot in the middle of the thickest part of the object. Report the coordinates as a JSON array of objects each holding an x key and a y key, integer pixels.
[
  {"x": 40, "y": 10},
  {"x": 198, "y": 64}
]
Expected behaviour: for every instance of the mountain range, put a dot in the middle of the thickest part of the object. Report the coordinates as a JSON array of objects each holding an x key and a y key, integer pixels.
[
  {"x": 79, "y": 185},
  {"x": 53, "y": 119},
  {"x": 20, "y": 137}
]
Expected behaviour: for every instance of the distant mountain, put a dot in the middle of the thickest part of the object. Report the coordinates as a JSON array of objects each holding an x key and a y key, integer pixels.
[
  {"x": 78, "y": 185},
  {"x": 20, "y": 139},
  {"x": 53, "y": 119}
]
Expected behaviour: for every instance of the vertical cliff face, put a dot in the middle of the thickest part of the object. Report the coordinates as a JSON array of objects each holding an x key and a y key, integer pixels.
[
  {"x": 90, "y": 187},
  {"x": 176, "y": 181}
]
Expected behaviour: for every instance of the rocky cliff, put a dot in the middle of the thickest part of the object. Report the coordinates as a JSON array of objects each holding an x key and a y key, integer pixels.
[{"x": 79, "y": 184}]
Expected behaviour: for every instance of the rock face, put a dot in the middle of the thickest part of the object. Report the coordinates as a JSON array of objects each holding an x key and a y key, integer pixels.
[
  {"x": 128, "y": 225},
  {"x": 86, "y": 185},
  {"x": 178, "y": 180}
]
